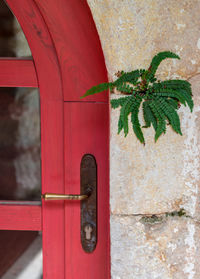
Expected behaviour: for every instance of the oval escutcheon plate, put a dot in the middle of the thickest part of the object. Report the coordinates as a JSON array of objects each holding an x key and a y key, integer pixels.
[{"x": 88, "y": 181}]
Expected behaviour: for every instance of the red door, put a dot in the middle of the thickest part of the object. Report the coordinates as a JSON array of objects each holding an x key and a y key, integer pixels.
[{"x": 67, "y": 60}]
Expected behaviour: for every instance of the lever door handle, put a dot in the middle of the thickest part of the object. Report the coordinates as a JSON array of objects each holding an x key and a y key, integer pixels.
[
  {"x": 51, "y": 196},
  {"x": 88, "y": 206}
]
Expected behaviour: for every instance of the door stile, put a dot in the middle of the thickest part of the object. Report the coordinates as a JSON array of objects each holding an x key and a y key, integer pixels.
[
  {"x": 52, "y": 181},
  {"x": 87, "y": 132},
  {"x": 51, "y": 105}
]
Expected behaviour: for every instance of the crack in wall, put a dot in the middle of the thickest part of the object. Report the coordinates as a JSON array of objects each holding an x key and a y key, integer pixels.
[{"x": 149, "y": 218}]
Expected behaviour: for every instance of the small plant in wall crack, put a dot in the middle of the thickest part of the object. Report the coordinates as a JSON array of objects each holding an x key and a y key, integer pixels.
[{"x": 160, "y": 100}]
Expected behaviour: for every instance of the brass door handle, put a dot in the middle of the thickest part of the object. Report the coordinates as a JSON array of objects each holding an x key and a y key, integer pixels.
[{"x": 51, "y": 196}]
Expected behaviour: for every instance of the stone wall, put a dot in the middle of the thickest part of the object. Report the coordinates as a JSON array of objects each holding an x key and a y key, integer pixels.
[{"x": 150, "y": 237}]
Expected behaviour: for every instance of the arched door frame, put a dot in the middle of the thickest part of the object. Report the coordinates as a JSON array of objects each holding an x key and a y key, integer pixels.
[{"x": 58, "y": 70}]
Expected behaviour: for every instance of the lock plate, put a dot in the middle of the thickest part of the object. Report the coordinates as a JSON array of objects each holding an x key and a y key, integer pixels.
[{"x": 88, "y": 183}]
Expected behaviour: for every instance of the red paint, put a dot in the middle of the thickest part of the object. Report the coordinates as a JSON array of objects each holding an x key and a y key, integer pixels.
[
  {"x": 77, "y": 44},
  {"x": 52, "y": 154},
  {"x": 86, "y": 132},
  {"x": 20, "y": 217},
  {"x": 68, "y": 60},
  {"x": 17, "y": 73}
]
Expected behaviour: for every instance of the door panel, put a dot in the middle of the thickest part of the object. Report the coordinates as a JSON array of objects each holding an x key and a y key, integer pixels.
[{"x": 86, "y": 132}]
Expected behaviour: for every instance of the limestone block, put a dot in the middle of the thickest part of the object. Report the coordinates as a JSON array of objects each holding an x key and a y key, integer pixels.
[
  {"x": 133, "y": 31},
  {"x": 163, "y": 176},
  {"x": 157, "y": 177},
  {"x": 167, "y": 249}
]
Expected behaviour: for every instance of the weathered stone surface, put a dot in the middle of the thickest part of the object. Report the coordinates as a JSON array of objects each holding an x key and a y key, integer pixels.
[
  {"x": 159, "y": 177},
  {"x": 132, "y": 31},
  {"x": 167, "y": 249}
]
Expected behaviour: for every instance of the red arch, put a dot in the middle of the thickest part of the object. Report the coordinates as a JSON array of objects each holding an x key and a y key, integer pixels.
[
  {"x": 65, "y": 45},
  {"x": 78, "y": 47},
  {"x": 42, "y": 47}
]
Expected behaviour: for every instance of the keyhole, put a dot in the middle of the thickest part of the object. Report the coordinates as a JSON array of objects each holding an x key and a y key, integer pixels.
[{"x": 88, "y": 232}]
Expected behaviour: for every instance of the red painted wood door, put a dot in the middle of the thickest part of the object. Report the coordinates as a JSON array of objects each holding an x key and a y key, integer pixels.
[{"x": 67, "y": 60}]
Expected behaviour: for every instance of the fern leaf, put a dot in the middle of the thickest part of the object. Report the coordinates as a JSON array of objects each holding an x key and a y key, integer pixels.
[
  {"x": 149, "y": 116},
  {"x": 170, "y": 113},
  {"x": 146, "y": 115},
  {"x": 130, "y": 77},
  {"x": 157, "y": 59},
  {"x": 173, "y": 103},
  {"x": 161, "y": 128},
  {"x": 124, "y": 113},
  {"x": 115, "y": 103},
  {"x": 188, "y": 98},
  {"x": 182, "y": 86},
  {"x": 177, "y": 84},
  {"x": 97, "y": 89},
  {"x": 120, "y": 122},
  {"x": 170, "y": 93},
  {"x": 135, "y": 120},
  {"x": 122, "y": 87}
]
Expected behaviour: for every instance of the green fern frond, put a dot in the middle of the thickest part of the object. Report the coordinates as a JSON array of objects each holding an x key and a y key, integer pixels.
[
  {"x": 145, "y": 109},
  {"x": 170, "y": 113},
  {"x": 174, "y": 103},
  {"x": 148, "y": 115},
  {"x": 161, "y": 99},
  {"x": 125, "y": 88},
  {"x": 120, "y": 122},
  {"x": 161, "y": 127},
  {"x": 130, "y": 77},
  {"x": 188, "y": 98},
  {"x": 177, "y": 84},
  {"x": 97, "y": 89},
  {"x": 115, "y": 103},
  {"x": 170, "y": 93},
  {"x": 157, "y": 59},
  {"x": 124, "y": 113},
  {"x": 135, "y": 120},
  {"x": 181, "y": 86}
]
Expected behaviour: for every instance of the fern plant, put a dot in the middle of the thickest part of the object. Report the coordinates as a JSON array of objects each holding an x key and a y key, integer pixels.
[{"x": 159, "y": 100}]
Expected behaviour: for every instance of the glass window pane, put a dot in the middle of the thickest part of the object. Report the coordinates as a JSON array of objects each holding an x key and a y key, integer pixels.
[
  {"x": 12, "y": 40},
  {"x": 20, "y": 174},
  {"x": 21, "y": 255}
]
